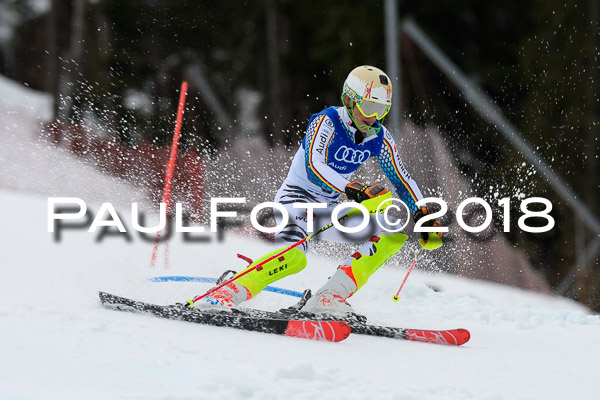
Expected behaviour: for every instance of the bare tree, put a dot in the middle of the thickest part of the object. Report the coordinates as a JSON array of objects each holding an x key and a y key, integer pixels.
[{"x": 68, "y": 64}]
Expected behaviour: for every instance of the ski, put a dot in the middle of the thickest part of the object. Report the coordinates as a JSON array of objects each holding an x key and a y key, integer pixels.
[
  {"x": 287, "y": 322},
  {"x": 330, "y": 330},
  {"x": 358, "y": 325},
  {"x": 453, "y": 337}
]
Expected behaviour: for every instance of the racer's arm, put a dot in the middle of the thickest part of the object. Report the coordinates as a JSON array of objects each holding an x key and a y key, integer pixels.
[{"x": 391, "y": 164}]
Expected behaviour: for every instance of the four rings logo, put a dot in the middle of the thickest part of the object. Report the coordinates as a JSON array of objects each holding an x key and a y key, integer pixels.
[{"x": 351, "y": 155}]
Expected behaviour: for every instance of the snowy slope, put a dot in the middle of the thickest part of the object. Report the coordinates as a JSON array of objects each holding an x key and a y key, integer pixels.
[
  {"x": 31, "y": 164},
  {"x": 57, "y": 342}
]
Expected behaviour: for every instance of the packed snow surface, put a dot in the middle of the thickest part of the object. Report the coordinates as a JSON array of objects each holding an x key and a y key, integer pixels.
[{"x": 58, "y": 342}]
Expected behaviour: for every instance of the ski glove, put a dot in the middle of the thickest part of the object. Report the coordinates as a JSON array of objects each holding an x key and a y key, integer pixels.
[
  {"x": 359, "y": 192},
  {"x": 428, "y": 240}
]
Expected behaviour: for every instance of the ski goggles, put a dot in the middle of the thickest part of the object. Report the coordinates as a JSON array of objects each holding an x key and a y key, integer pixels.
[{"x": 369, "y": 108}]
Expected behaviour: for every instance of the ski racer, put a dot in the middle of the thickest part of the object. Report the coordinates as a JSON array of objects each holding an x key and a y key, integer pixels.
[{"x": 338, "y": 141}]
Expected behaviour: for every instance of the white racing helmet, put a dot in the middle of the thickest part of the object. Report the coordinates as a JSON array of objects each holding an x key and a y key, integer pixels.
[{"x": 371, "y": 90}]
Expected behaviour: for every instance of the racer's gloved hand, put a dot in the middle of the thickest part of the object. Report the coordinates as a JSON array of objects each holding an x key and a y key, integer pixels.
[
  {"x": 359, "y": 192},
  {"x": 428, "y": 240}
]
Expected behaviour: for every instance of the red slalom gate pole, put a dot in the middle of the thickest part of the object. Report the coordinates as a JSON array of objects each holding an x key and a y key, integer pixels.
[
  {"x": 396, "y": 298},
  {"x": 171, "y": 167}
]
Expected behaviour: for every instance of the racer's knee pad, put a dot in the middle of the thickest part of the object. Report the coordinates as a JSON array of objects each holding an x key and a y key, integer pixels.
[
  {"x": 288, "y": 263},
  {"x": 372, "y": 255}
]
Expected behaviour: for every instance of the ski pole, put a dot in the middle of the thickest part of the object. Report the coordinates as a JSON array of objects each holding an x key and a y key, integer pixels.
[
  {"x": 372, "y": 205},
  {"x": 298, "y": 243},
  {"x": 396, "y": 298}
]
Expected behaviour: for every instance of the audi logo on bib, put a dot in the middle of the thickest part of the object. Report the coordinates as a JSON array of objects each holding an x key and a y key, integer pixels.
[{"x": 351, "y": 155}]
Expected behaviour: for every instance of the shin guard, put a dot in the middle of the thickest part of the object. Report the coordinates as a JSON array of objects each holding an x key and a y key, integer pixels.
[
  {"x": 288, "y": 263},
  {"x": 371, "y": 256}
]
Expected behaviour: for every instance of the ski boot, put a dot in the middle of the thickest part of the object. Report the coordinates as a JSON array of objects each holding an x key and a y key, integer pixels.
[
  {"x": 352, "y": 275},
  {"x": 330, "y": 301},
  {"x": 224, "y": 298}
]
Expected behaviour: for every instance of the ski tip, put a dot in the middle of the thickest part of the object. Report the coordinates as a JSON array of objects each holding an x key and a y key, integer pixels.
[
  {"x": 464, "y": 336},
  {"x": 453, "y": 337},
  {"x": 333, "y": 331}
]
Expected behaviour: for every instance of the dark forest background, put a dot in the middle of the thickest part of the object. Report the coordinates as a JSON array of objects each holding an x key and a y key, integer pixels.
[{"x": 270, "y": 64}]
